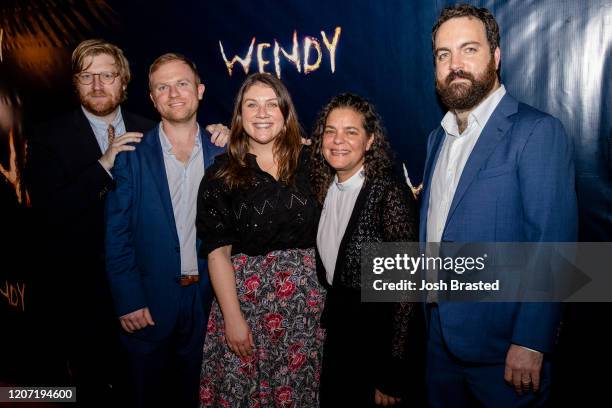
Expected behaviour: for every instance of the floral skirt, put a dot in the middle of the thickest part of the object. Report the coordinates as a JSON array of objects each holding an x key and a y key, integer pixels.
[{"x": 281, "y": 300}]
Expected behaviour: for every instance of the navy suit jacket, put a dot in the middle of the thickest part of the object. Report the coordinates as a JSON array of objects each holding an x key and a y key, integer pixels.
[
  {"x": 142, "y": 247},
  {"x": 517, "y": 186}
]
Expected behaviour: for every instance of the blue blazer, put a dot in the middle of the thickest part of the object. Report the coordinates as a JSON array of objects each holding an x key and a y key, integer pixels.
[
  {"x": 517, "y": 186},
  {"x": 142, "y": 246}
]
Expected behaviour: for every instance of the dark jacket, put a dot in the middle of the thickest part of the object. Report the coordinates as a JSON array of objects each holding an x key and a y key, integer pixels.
[{"x": 385, "y": 338}]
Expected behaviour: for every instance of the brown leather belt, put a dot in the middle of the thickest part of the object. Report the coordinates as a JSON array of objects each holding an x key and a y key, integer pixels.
[{"x": 186, "y": 280}]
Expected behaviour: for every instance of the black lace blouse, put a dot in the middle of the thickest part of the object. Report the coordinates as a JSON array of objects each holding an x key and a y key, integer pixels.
[{"x": 265, "y": 216}]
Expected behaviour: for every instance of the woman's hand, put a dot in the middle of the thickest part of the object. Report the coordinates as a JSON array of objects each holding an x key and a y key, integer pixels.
[
  {"x": 239, "y": 337},
  {"x": 237, "y": 333},
  {"x": 384, "y": 399}
]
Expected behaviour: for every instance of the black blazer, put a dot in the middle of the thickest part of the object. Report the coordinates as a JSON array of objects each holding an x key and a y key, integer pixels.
[
  {"x": 390, "y": 335},
  {"x": 68, "y": 185}
]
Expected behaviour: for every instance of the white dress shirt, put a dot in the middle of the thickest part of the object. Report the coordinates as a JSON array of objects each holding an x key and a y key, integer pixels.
[
  {"x": 337, "y": 210},
  {"x": 183, "y": 181},
  {"x": 454, "y": 154}
]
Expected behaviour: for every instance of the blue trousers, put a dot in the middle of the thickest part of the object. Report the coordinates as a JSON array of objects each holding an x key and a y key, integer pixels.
[
  {"x": 454, "y": 383},
  {"x": 167, "y": 372}
]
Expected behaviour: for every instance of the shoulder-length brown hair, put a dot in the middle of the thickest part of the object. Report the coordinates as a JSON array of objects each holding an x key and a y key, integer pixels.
[
  {"x": 378, "y": 159},
  {"x": 287, "y": 145}
]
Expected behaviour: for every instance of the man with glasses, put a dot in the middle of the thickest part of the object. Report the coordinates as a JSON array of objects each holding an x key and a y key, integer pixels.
[
  {"x": 70, "y": 162},
  {"x": 69, "y": 173}
]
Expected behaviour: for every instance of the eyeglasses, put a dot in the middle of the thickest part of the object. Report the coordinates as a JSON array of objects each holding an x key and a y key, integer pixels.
[{"x": 87, "y": 78}]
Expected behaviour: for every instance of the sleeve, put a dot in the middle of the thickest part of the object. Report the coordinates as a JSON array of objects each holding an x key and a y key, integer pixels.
[
  {"x": 54, "y": 190},
  {"x": 402, "y": 355},
  {"x": 399, "y": 214},
  {"x": 546, "y": 175},
  {"x": 215, "y": 217},
  {"x": 121, "y": 265}
]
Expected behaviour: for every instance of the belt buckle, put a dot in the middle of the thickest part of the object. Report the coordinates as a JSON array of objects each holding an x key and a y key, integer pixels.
[{"x": 186, "y": 280}]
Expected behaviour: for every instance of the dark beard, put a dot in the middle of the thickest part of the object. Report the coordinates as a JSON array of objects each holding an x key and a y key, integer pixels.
[{"x": 464, "y": 96}]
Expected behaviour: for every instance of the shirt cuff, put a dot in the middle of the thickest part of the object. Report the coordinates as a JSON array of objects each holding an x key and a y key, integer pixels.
[
  {"x": 527, "y": 348},
  {"x": 109, "y": 173}
]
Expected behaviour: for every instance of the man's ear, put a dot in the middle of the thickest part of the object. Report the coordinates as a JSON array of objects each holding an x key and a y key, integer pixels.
[
  {"x": 201, "y": 89},
  {"x": 497, "y": 56}
]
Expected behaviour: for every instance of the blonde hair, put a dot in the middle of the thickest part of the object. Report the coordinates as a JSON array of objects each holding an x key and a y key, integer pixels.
[
  {"x": 94, "y": 47},
  {"x": 169, "y": 57}
]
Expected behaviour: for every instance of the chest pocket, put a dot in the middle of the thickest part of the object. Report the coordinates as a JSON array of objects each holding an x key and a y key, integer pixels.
[{"x": 496, "y": 171}]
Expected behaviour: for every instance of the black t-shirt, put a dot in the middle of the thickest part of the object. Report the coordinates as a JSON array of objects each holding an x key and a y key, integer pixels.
[{"x": 267, "y": 215}]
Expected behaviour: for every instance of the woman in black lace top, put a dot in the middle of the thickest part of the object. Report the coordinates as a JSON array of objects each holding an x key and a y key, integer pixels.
[
  {"x": 373, "y": 351},
  {"x": 256, "y": 218}
]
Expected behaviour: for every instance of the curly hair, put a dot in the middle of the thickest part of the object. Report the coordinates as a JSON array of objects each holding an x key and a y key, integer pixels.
[
  {"x": 378, "y": 159},
  {"x": 287, "y": 145}
]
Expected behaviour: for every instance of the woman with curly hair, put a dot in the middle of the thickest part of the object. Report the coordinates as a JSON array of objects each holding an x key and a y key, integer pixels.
[
  {"x": 373, "y": 351},
  {"x": 256, "y": 218}
]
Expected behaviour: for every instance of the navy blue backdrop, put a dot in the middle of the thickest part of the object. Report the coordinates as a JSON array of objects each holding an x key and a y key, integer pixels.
[{"x": 556, "y": 55}]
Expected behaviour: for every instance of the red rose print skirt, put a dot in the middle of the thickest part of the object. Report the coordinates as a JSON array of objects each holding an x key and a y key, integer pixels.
[{"x": 281, "y": 300}]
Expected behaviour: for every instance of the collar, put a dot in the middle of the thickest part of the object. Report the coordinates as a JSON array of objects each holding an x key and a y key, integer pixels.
[
  {"x": 99, "y": 123},
  {"x": 354, "y": 182},
  {"x": 165, "y": 142},
  {"x": 479, "y": 115}
]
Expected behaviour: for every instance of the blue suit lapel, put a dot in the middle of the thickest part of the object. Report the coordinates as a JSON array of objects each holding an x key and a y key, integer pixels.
[
  {"x": 207, "y": 156},
  {"x": 496, "y": 128},
  {"x": 432, "y": 158},
  {"x": 209, "y": 149},
  {"x": 153, "y": 153}
]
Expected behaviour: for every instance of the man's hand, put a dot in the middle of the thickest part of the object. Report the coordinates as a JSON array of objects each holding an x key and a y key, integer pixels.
[
  {"x": 138, "y": 319},
  {"x": 523, "y": 368},
  {"x": 119, "y": 145},
  {"x": 384, "y": 399},
  {"x": 239, "y": 337},
  {"x": 220, "y": 134}
]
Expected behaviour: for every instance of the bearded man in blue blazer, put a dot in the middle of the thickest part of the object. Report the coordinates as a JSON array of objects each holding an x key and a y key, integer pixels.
[
  {"x": 497, "y": 170},
  {"x": 159, "y": 285}
]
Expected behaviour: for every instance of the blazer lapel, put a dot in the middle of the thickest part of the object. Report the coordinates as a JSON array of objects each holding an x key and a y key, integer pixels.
[
  {"x": 84, "y": 138},
  {"x": 430, "y": 165},
  {"x": 206, "y": 155},
  {"x": 153, "y": 153},
  {"x": 350, "y": 227},
  {"x": 495, "y": 129}
]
